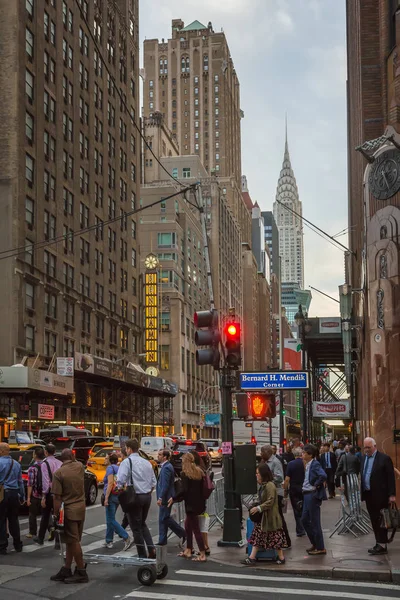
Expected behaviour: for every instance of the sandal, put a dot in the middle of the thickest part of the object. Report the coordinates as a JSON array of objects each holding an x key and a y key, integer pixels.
[
  {"x": 280, "y": 561},
  {"x": 184, "y": 555},
  {"x": 248, "y": 561},
  {"x": 199, "y": 559},
  {"x": 207, "y": 551}
]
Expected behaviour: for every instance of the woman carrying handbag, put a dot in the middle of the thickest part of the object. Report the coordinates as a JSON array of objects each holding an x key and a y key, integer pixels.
[{"x": 267, "y": 533}]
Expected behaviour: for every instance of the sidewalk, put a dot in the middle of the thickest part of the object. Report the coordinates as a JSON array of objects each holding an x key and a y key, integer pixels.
[{"x": 346, "y": 558}]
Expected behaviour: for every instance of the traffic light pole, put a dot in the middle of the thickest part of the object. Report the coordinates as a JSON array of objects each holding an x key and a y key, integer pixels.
[{"x": 232, "y": 534}]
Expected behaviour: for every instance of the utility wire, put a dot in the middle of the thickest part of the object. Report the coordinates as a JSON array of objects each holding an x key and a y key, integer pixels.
[
  {"x": 315, "y": 226},
  {"x": 91, "y": 34},
  {"x": 43, "y": 244}
]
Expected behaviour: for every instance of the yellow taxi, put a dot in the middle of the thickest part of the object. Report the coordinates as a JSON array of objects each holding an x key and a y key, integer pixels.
[
  {"x": 98, "y": 463},
  {"x": 100, "y": 446},
  {"x": 25, "y": 446}
]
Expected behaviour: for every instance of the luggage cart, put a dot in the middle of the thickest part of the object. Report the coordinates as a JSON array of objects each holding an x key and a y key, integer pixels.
[{"x": 149, "y": 569}]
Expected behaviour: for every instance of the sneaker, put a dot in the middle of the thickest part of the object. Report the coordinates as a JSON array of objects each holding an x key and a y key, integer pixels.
[
  {"x": 317, "y": 552},
  {"x": 128, "y": 543},
  {"x": 62, "y": 574},
  {"x": 378, "y": 550},
  {"x": 80, "y": 576},
  {"x": 29, "y": 536},
  {"x": 372, "y": 550},
  {"x": 37, "y": 540},
  {"x": 109, "y": 545},
  {"x": 308, "y": 550}
]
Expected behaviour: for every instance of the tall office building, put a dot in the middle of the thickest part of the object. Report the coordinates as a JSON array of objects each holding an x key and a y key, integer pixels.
[
  {"x": 271, "y": 238},
  {"x": 69, "y": 161},
  {"x": 289, "y": 225},
  {"x": 191, "y": 80}
]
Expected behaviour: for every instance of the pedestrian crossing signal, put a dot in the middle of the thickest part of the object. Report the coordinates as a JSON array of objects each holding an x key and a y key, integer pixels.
[{"x": 262, "y": 406}]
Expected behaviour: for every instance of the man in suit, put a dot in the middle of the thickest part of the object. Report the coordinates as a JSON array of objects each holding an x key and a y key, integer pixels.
[
  {"x": 293, "y": 486},
  {"x": 378, "y": 489},
  {"x": 165, "y": 491},
  {"x": 313, "y": 494},
  {"x": 329, "y": 463}
]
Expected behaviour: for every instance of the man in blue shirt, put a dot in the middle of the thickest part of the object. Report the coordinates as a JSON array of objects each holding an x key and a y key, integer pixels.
[
  {"x": 14, "y": 495},
  {"x": 293, "y": 486}
]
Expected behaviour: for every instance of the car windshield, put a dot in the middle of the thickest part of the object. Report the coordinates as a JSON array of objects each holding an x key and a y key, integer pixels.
[
  {"x": 24, "y": 457},
  {"x": 211, "y": 443},
  {"x": 62, "y": 443},
  {"x": 184, "y": 448},
  {"x": 105, "y": 452}
]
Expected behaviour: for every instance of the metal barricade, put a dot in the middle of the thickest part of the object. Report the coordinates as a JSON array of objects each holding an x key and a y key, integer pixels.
[
  {"x": 214, "y": 507},
  {"x": 353, "y": 518}
]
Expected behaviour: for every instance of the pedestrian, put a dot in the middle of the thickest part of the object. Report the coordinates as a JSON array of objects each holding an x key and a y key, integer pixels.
[
  {"x": 293, "y": 486},
  {"x": 277, "y": 471},
  {"x": 140, "y": 471},
  {"x": 359, "y": 454},
  {"x": 111, "y": 504},
  {"x": 269, "y": 533},
  {"x": 165, "y": 491},
  {"x": 13, "y": 497},
  {"x": 349, "y": 464},
  {"x": 192, "y": 494},
  {"x": 49, "y": 466},
  {"x": 124, "y": 522},
  {"x": 313, "y": 494},
  {"x": 339, "y": 451},
  {"x": 329, "y": 464},
  {"x": 378, "y": 489},
  {"x": 35, "y": 490},
  {"x": 68, "y": 487},
  {"x": 204, "y": 519}
]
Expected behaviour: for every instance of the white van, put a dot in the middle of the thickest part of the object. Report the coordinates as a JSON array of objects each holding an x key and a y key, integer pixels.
[{"x": 152, "y": 445}]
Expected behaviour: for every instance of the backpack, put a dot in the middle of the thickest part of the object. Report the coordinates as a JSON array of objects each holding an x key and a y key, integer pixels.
[
  {"x": 38, "y": 482},
  {"x": 115, "y": 491}
]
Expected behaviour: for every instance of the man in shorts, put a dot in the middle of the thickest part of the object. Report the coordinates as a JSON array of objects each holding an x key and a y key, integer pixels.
[{"x": 68, "y": 487}]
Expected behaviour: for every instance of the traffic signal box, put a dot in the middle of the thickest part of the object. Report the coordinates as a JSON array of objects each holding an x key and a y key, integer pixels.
[
  {"x": 208, "y": 334},
  {"x": 232, "y": 344},
  {"x": 258, "y": 406}
]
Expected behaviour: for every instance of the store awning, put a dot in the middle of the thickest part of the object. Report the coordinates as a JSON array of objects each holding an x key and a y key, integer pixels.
[{"x": 21, "y": 380}]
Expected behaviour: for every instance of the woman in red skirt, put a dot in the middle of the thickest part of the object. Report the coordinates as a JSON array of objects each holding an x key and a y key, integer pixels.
[{"x": 268, "y": 534}]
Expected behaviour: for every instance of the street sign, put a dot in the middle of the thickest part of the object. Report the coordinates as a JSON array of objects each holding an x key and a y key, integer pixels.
[
  {"x": 65, "y": 366},
  {"x": 226, "y": 447},
  {"x": 201, "y": 423},
  {"x": 287, "y": 380}
]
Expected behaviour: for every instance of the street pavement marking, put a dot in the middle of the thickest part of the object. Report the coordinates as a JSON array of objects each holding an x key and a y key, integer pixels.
[
  {"x": 155, "y": 596},
  {"x": 286, "y": 579},
  {"x": 259, "y": 590}
]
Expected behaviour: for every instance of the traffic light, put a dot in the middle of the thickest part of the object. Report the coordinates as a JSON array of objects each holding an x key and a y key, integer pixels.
[
  {"x": 262, "y": 406},
  {"x": 283, "y": 411},
  {"x": 232, "y": 344},
  {"x": 206, "y": 321}
]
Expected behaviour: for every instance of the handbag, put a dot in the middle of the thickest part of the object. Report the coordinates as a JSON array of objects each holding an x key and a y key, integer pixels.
[
  {"x": 208, "y": 486},
  {"x": 390, "y": 519},
  {"x": 256, "y": 517},
  {"x": 127, "y": 498},
  {"x": 4, "y": 480}
]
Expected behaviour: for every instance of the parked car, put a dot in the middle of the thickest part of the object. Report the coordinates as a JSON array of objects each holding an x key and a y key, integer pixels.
[
  {"x": 214, "y": 450},
  {"x": 80, "y": 446},
  {"x": 180, "y": 448},
  {"x": 25, "y": 458},
  {"x": 49, "y": 434},
  {"x": 152, "y": 444},
  {"x": 97, "y": 462}
]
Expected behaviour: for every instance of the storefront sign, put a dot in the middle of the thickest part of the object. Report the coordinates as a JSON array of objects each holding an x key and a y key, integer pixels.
[
  {"x": 213, "y": 419},
  {"x": 87, "y": 363},
  {"x": 331, "y": 410},
  {"x": 46, "y": 411},
  {"x": 151, "y": 316},
  {"x": 50, "y": 382},
  {"x": 330, "y": 325},
  {"x": 287, "y": 380},
  {"x": 13, "y": 377},
  {"x": 65, "y": 366}
]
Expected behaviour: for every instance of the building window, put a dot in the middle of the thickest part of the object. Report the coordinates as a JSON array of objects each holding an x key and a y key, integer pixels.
[
  {"x": 205, "y": 62},
  {"x": 50, "y": 343},
  {"x": 69, "y": 274},
  {"x": 50, "y": 305},
  {"x": 85, "y": 285},
  {"x": 30, "y": 338},
  {"x": 123, "y": 339},
  {"x": 85, "y": 320},
  {"x": 29, "y": 43},
  {"x": 29, "y": 5},
  {"x": 29, "y": 296},
  {"x": 29, "y": 212},
  {"x": 165, "y": 358},
  {"x": 68, "y": 347},
  {"x": 29, "y": 169},
  {"x": 186, "y": 174},
  {"x": 29, "y": 85},
  {"x": 166, "y": 240},
  {"x": 99, "y": 327}
]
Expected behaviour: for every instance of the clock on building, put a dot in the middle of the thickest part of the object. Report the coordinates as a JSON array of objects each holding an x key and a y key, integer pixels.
[
  {"x": 384, "y": 178},
  {"x": 152, "y": 371},
  {"x": 151, "y": 262}
]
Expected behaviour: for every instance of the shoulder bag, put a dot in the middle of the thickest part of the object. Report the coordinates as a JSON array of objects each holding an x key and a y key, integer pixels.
[
  {"x": 390, "y": 519},
  {"x": 127, "y": 498},
  {"x": 256, "y": 517},
  {"x": 208, "y": 486},
  {"x": 4, "y": 480}
]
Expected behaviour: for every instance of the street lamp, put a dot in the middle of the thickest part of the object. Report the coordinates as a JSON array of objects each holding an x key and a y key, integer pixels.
[{"x": 304, "y": 326}]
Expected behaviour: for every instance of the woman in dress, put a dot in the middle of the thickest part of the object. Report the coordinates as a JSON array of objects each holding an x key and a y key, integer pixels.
[
  {"x": 192, "y": 493},
  {"x": 269, "y": 533}
]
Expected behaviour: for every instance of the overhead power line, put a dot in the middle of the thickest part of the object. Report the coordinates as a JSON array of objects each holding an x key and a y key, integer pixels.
[{"x": 122, "y": 99}]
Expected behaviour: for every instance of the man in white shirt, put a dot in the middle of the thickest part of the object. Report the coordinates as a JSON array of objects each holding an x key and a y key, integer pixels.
[{"x": 143, "y": 481}]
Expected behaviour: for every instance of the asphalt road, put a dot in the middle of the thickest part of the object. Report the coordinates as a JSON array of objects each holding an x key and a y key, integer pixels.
[{"x": 25, "y": 576}]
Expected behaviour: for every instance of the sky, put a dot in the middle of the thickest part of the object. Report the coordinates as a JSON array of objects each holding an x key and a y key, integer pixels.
[{"x": 290, "y": 57}]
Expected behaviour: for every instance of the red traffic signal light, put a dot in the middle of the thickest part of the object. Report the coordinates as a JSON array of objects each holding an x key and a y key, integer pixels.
[
  {"x": 232, "y": 344},
  {"x": 262, "y": 406}
]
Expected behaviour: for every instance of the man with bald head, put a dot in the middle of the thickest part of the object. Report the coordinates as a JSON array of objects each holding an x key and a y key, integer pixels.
[
  {"x": 378, "y": 489},
  {"x": 13, "y": 496},
  {"x": 68, "y": 487}
]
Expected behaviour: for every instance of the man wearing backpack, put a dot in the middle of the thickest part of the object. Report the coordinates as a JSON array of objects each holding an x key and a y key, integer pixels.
[
  {"x": 35, "y": 487},
  {"x": 49, "y": 467},
  {"x": 12, "y": 495}
]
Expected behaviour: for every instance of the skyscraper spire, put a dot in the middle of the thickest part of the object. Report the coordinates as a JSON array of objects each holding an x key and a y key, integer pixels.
[{"x": 290, "y": 226}]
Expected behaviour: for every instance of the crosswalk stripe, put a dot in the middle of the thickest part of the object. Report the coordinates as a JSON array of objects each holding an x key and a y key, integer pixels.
[
  {"x": 334, "y": 582},
  {"x": 157, "y": 596},
  {"x": 258, "y": 589}
]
